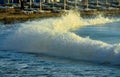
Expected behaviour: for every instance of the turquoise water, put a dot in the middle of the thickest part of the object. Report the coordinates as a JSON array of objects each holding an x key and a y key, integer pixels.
[
  {"x": 68, "y": 46},
  {"x": 107, "y": 33}
]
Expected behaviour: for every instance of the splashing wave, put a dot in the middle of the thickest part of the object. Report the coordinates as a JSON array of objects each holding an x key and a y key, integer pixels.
[{"x": 53, "y": 36}]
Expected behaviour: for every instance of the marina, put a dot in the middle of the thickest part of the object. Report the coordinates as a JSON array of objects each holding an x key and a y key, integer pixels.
[
  {"x": 83, "y": 6},
  {"x": 13, "y": 10}
]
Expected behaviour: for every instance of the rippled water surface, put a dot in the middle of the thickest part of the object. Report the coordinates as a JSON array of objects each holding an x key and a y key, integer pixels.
[{"x": 32, "y": 65}]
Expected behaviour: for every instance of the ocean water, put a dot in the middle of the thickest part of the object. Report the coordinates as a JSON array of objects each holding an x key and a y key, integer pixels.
[{"x": 66, "y": 46}]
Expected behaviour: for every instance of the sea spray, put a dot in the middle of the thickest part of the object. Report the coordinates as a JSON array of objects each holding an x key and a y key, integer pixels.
[
  {"x": 73, "y": 21},
  {"x": 99, "y": 20},
  {"x": 69, "y": 21},
  {"x": 54, "y": 37}
]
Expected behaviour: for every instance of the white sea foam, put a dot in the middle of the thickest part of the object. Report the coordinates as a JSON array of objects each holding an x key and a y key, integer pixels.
[{"x": 53, "y": 36}]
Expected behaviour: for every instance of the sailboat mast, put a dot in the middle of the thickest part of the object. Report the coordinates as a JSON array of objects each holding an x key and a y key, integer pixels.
[
  {"x": 40, "y": 5},
  {"x": 64, "y": 4}
]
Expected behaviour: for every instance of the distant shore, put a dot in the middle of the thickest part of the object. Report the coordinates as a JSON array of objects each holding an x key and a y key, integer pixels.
[{"x": 7, "y": 17}]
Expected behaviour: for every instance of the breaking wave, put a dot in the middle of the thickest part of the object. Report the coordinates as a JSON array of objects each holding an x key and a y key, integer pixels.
[{"x": 54, "y": 37}]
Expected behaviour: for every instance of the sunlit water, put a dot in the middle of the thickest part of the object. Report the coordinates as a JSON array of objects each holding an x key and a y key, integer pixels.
[{"x": 68, "y": 46}]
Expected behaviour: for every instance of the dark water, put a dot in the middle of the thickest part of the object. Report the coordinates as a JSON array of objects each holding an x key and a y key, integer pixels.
[{"x": 32, "y": 65}]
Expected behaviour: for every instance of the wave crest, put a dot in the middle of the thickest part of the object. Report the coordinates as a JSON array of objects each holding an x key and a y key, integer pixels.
[{"x": 54, "y": 37}]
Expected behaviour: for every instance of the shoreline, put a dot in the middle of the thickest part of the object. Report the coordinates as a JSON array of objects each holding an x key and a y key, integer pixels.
[{"x": 8, "y": 17}]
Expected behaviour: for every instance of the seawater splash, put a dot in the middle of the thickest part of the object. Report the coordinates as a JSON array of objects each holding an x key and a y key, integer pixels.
[
  {"x": 101, "y": 20},
  {"x": 54, "y": 37},
  {"x": 73, "y": 21}
]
